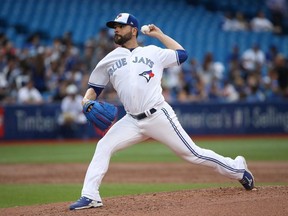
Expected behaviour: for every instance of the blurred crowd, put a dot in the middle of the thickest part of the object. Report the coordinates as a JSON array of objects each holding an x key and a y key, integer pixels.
[
  {"x": 252, "y": 76},
  {"x": 37, "y": 73},
  {"x": 260, "y": 23}
]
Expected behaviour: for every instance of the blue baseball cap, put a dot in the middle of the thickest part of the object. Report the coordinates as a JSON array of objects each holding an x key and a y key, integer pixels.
[{"x": 124, "y": 18}]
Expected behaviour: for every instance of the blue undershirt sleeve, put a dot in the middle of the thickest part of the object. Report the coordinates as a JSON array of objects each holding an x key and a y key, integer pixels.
[
  {"x": 182, "y": 56},
  {"x": 98, "y": 90}
]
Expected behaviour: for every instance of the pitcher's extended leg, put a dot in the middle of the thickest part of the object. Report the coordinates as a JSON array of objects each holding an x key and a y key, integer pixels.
[
  {"x": 122, "y": 135},
  {"x": 174, "y": 136}
]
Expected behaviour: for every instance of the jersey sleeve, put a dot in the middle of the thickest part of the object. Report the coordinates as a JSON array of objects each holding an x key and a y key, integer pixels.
[
  {"x": 168, "y": 57},
  {"x": 99, "y": 76}
]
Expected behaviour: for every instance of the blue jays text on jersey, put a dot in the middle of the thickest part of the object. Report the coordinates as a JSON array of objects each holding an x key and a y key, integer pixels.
[
  {"x": 146, "y": 61},
  {"x": 123, "y": 61}
]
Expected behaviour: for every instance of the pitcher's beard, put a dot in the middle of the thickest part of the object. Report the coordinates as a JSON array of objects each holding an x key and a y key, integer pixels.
[{"x": 121, "y": 40}]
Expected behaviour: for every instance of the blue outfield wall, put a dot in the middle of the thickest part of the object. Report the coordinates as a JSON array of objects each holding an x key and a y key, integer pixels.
[
  {"x": 40, "y": 121},
  {"x": 234, "y": 119}
]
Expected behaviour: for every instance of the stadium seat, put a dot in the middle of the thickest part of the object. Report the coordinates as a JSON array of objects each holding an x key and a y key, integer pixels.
[{"x": 196, "y": 27}]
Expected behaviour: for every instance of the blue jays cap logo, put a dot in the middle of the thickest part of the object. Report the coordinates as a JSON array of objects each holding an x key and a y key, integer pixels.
[
  {"x": 147, "y": 75},
  {"x": 119, "y": 15}
]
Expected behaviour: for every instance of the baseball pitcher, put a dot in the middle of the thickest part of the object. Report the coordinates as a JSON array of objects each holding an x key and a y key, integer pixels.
[{"x": 135, "y": 72}]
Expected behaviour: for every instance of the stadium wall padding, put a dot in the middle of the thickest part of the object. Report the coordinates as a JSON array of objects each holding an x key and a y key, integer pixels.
[{"x": 40, "y": 122}]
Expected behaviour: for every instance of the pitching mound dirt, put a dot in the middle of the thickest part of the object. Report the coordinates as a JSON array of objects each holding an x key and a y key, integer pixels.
[
  {"x": 234, "y": 201},
  {"x": 270, "y": 201}
]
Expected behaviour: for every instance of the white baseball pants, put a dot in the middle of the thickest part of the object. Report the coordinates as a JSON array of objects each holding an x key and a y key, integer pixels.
[{"x": 164, "y": 127}]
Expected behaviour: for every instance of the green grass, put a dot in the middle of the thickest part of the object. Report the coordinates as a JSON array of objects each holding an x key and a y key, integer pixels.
[
  {"x": 28, "y": 194},
  {"x": 46, "y": 153},
  {"x": 262, "y": 149},
  {"x": 252, "y": 149},
  {"x": 36, "y": 194}
]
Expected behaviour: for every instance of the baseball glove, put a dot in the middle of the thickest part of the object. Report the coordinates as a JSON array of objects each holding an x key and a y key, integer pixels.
[{"x": 101, "y": 114}]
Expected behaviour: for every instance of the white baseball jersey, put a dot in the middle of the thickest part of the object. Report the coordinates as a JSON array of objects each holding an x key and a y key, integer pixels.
[{"x": 136, "y": 75}]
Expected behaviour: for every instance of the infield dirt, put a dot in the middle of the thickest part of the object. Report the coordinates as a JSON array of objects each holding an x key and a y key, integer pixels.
[{"x": 233, "y": 201}]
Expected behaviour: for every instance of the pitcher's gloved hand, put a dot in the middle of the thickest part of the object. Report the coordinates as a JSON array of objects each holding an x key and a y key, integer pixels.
[{"x": 101, "y": 114}]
